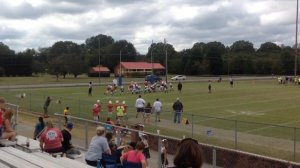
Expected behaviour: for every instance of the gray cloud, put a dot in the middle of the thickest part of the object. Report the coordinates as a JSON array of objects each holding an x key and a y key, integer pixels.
[{"x": 140, "y": 22}]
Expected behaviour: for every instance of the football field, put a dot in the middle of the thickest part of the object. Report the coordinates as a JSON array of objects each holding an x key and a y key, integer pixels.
[{"x": 258, "y": 116}]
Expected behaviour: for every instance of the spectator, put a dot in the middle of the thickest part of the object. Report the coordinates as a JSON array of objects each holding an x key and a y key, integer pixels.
[
  {"x": 139, "y": 104},
  {"x": 8, "y": 131},
  {"x": 157, "y": 106},
  {"x": 178, "y": 109},
  {"x": 134, "y": 157},
  {"x": 164, "y": 158},
  {"x": 51, "y": 139},
  {"x": 109, "y": 125},
  {"x": 46, "y": 105},
  {"x": 97, "y": 146},
  {"x": 146, "y": 150},
  {"x": 148, "y": 110},
  {"x": 179, "y": 87},
  {"x": 188, "y": 155},
  {"x": 66, "y": 114},
  {"x": 39, "y": 128},
  {"x": 68, "y": 148},
  {"x": 2, "y": 111}
]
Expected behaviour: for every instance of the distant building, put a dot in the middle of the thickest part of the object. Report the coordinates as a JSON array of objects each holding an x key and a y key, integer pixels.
[
  {"x": 138, "y": 69},
  {"x": 94, "y": 72}
]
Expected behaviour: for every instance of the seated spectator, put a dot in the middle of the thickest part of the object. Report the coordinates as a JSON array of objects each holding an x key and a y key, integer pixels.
[
  {"x": 134, "y": 158},
  {"x": 2, "y": 111},
  {"x": 39, "y": 128},
  {"x": 189, "y": 154},
  {"x": 51, "y": 139},
  {"x": 68, "y": 148},
  {"x": 98, "y": 146},
  {"x": 164, "y": 157},
  {"x": 8, "y": 131}
]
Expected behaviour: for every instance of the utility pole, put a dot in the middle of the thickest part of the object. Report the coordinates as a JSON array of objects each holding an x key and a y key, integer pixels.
[{"x": 296, "y": 43}]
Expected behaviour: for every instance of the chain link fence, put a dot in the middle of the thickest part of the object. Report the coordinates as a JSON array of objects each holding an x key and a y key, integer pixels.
[{"x": 266, "y": 139}]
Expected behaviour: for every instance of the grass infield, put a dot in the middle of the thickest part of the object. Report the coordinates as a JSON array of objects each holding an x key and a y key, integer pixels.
[{"x": 250, "y": 108}]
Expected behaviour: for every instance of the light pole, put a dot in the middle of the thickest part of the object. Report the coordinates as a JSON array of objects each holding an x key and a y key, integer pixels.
[
  {"x": 120, "y": 73},
  {"x": 166, "y": 60},
  {"x": 120, "y": 63},
  {"x": 296, "y": 42},
  {"x": 152, "y": 57},
  {"x": 99, "y": 68}
]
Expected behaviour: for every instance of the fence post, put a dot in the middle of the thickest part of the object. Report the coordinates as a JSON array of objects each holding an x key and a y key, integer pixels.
[
  {"x": 158, "y": 150},
  {"x": 235, "y": 134},
  {"x": 214, "y": 161},
  {"x": 30, "y": 102},
  {"x": 192, "y": 125},
  {"x": 295, "y": 140},
  {"x": 79, "y": 107},
  {"x": 86, "y": 135}
]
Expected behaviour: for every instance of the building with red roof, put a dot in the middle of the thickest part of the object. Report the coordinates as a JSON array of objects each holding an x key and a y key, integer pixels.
[
  {"x": 138, "y": 69},
  {"x": 94, "y": 71}
]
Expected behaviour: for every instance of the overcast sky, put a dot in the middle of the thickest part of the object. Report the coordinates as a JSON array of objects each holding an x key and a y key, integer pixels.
[{"x": 40, "y": 23}]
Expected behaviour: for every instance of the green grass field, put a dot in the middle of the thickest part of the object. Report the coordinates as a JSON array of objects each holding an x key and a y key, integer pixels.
[{"x": 246, "y": 110}]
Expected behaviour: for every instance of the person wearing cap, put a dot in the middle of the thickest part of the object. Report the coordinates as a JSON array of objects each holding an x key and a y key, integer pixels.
[
  {"x": 68, "y": 148},
  {"x": 125, "y": 112},
  {"x": 110, "y": 108},
  {"x": 178, "y": 109},
  {"x": 116, "y": 105},
  {"x": 164, "y": 158},
  {"x": 97, "y": 146}
]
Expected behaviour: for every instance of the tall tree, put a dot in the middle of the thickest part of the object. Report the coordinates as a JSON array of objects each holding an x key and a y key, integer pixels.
[
  {"x": 214, "y": 51},
  {"x": 242, "y": 46}
]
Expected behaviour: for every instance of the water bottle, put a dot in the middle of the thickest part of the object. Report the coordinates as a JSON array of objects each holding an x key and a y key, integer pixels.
[{"x": 27, "y": 142}]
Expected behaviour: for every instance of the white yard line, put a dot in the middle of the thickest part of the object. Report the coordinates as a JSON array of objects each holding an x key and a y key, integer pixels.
[{"x": 258, "y": 129}]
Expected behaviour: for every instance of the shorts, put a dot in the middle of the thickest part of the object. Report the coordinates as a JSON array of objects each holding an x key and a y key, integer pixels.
[
  {"x": 146, "y": 153},
  {"x": 139, "y": 110}
]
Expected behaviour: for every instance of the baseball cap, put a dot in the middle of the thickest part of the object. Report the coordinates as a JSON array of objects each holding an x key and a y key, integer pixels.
[{"x": 69, "y": 125}]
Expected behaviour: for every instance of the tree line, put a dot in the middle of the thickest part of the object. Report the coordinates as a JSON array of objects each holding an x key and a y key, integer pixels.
[{"x": 212, "y": 58}]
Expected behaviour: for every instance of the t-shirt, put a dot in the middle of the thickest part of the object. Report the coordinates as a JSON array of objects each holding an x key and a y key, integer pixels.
[
  {"x": 116, "y": 106},
  {"x": 110, "y": 107},
  {"x": 125, "y": 108},
  {"x": 67, "y": 139},
  {"x": 1, "y": 116},
  {"x": 139, "y": 103},
  {"x": 97, "y": 146},
  {"x": 134, "y": 156},
  {"x": 66, "y": 112},
  {"x": 120, "y": 111},
  {"x": 157, "y": 106},
  {"x": 96, "y": 110},
  {"x": 51, "y": 138}
]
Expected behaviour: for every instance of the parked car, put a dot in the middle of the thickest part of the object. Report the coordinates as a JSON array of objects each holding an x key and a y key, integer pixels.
[
  {"x": 179, "y": 77},
  {"x": 152, "y": 78}
]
